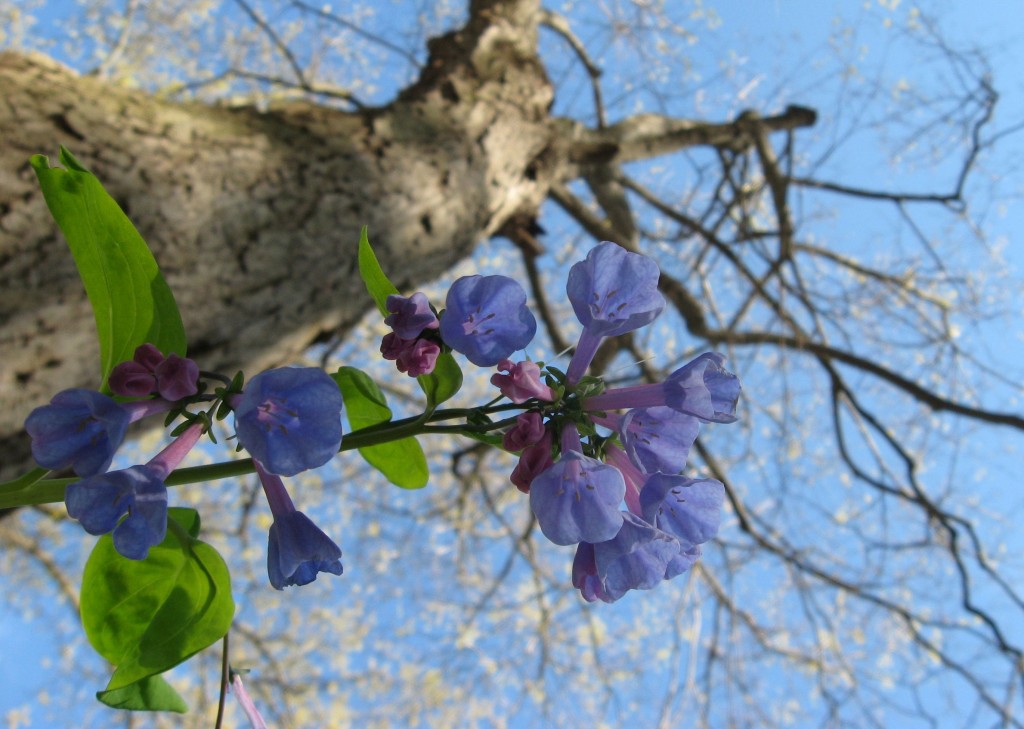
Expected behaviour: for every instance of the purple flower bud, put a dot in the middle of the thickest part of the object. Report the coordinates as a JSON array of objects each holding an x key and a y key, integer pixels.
[
  {"x": 522, "y": 382},
  {"x": 487, "y": 319},
  {"x": 297, "y": 550},
  {"x": 578, "y": 498},
  {"x": 528, "y": 431},
  {"x": 131, "y": 379},
  {"x": 176, "y": 378},
  {"x": 245, "y": 701},
  {"x": 79, "y": 429},
  {"x": 173, "y": 377},
  {"x": 392, "y": 346},
  {"x": 419, "y": 358},
  {"x": 658, "y": 438},
  {"x": 410, "y": 316},
  {"x": 289, "y": 419},
  {"x": 148, "y": 356}
]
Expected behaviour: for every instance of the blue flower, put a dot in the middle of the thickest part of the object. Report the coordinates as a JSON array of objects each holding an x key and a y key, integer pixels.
[
  {"x": 289, "y": 419},
  {"x": 658, "y": 438},
  {"x": 704, "y": 389},
  {"x": 688, "y": 509},
  {"x": 298, "y": 550},
  {"x": 638, "y": 557},
  {"x": 99, "y": 502},
  {"x": 487, "y": 319},
  {"x": 79, "y": 429},
  {"x": 577, "y": 499},
  {"x": 614, "y": 291}
]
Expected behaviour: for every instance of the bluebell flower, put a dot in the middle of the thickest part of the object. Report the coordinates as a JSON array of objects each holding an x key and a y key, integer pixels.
[
  {"x": 702, "y": 388},
  {"x": 99, "y": 502},
  {"x": 577, "y": 499},
  {"x": 297, "y": 550},
  {"x": 638, "y": 557},
  {"x": 658, "y": 438},
  {"x": 79, "y": 429},
  {"x": 689, "y": 509},
  {"x": 612, "y": 291},
  {"x": 289, "y": 419},
  {"x": 137, "y": 494},
  {"x": 487, "y": 319}
]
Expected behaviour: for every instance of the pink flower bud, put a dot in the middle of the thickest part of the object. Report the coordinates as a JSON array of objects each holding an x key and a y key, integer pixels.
[
  {"x": 533, "y": 461},
  {"x": 522, "y": 382},
  {"x": 528, "y": 430}
]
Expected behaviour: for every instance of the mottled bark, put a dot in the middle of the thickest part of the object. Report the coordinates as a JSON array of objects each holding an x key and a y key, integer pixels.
[{"x": 254, "y": 217}]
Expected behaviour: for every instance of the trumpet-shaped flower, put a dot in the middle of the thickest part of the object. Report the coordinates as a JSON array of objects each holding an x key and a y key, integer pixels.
[
  {"x": 701, "y": 388},
  {"x": 612, "y": 292},
  {"x": 79, "y": 429},
  {"x": 297, "y": 550},
  {"x": 487, "y": 319},
  {"x": 577, "y": 499},
  {"x": 658, "y": 438},
  {"x": 289, "y": 419},
  {"x": 137, "y": 494},
  {"x": 689, "y": 509}
]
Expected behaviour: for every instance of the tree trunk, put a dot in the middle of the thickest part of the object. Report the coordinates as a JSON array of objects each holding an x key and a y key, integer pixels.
[{"x": 255, "y": 216}]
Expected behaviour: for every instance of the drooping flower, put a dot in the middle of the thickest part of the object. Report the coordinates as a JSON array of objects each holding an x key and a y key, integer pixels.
[
  {"x": 410, "y": 315},
  {"x": 613, "y": 291},
  {"x": 702, "y": 388},
  {"x": 658, "y": 438},
  {"x": 522, "y": 382},
  {"x": 79, "y": 429},
  {"x": 297, "y": 550},
  {"x": 487, "y": 319},
  {"x": 638, "y": 557},
  {"x": 689, "y": 509},
  {"x": 289, "y": 419},
  {"x": 137, "y": 493},
  {"x": 577, "y": 499},
  {"x": 149, "y": 371}
]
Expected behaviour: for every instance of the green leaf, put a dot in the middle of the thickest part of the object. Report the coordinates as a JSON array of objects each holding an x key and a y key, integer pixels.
[
  {"x": 373, "y": 276},
  {"x": 152, "y": 693},
  {"x": 401, "y": 461},
  {"x": 148, "y": 616},
  {"x": 441, "y": 384},
  {"x": 130, "y": 300}
]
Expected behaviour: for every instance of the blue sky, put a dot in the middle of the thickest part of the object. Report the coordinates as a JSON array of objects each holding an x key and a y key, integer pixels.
[{"x": 771, "y": 35}]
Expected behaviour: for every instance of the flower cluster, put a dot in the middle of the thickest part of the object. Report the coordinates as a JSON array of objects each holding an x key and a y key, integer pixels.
[
  {"x": 578, "y": 486},
  {"x": 289, "y": 419}
]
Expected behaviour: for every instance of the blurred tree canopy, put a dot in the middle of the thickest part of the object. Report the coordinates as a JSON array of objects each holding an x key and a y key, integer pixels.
[{"x": 828, "y": 220}]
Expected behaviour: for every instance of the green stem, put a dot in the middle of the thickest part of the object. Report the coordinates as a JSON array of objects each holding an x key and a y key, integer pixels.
[{"x": 31, "y": 489}]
